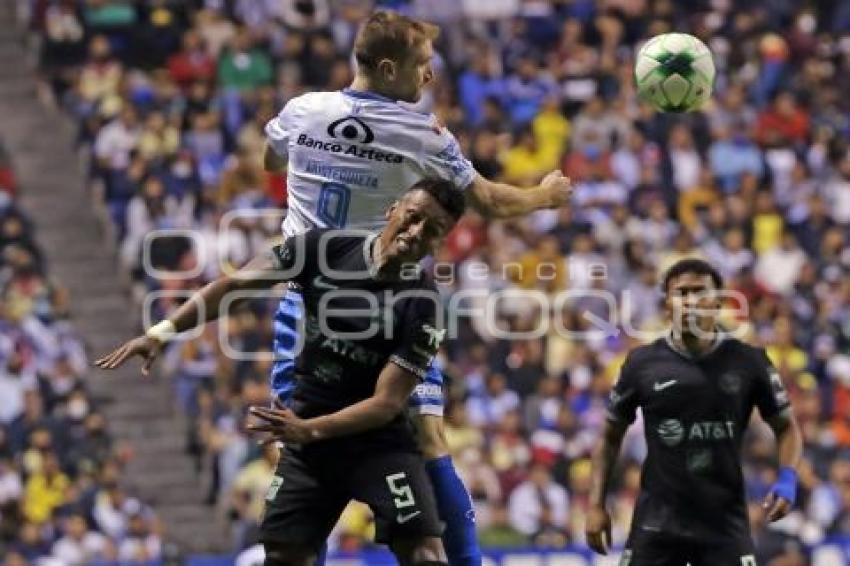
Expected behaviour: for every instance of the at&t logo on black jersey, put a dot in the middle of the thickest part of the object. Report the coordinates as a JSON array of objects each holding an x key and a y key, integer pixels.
[{"x": 672, "y": 431}]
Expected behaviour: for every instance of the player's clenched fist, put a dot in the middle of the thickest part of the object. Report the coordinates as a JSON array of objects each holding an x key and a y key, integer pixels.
[
  {"x": 559, "y": 187},
  {"x": 147, "y": 347},
  {"x": 598, "y": 529}
]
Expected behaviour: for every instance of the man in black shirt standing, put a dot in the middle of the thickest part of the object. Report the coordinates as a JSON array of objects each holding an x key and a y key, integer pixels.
[
  {"x": 373, "y": 325},
  {"x": 696, "y": 388}
]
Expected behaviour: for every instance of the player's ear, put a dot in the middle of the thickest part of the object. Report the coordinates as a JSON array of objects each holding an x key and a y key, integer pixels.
[
  {"x": 387, "y": 69},
  {"x": 390, "y": 210}
]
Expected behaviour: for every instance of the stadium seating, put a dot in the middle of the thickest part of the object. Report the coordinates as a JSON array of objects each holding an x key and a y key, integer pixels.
[{"x": 170, "y": 98}]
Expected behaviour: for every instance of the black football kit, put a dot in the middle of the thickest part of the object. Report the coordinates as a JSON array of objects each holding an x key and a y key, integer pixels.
[
  {"x": 692, "y": 506},
  {"x": 355, "y": 324}
]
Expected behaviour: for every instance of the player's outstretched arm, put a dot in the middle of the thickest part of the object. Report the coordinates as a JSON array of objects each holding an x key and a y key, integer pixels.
[
  {"x": 500, "y": 200},
  {"x": 392, "y": 391},
  {"x": 202, "y": 307},
  {"x": 598, "y": 527},
  {"x": 789, "y": 440}
]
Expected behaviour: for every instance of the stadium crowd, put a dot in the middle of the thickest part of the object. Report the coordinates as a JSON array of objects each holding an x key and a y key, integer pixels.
[
  {"x": 63, "y": 498},
  {"x": 171, "y": 99}
]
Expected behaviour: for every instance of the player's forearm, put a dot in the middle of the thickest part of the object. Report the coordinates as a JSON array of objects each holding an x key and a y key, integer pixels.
[
  {"x": 202, "y": 306},
  {"x": 366, "y": 415},
  {"x": 789, "y": 440},
  {"x": 499, "y": 200},
  {"x": 604, "y": 460},
  {"x": 205, "y": 305}
]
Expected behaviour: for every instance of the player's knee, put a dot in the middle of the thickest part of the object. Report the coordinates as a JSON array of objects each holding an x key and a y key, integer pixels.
[{"x": 286, "y": 555}]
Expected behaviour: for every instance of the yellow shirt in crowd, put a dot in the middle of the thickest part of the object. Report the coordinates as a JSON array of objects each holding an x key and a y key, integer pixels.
[{"x": 43, "y": 495}]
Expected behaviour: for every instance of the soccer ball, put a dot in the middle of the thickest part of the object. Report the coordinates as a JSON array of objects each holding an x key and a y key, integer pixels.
[{"x": 674, "y": 72}]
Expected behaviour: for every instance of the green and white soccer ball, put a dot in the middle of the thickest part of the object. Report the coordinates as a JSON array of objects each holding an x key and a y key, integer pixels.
[{"x": 674, "y": 72}]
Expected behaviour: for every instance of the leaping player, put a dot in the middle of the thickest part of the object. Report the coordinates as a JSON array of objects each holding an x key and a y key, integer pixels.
[{"x": 347, "y": 154}]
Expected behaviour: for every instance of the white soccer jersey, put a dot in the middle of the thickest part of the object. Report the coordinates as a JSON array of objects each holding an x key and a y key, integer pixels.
[{"x": 351, "y": 154}]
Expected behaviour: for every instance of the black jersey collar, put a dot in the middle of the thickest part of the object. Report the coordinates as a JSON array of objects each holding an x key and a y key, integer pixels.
[
  {"x": 369, "y": 258},
  {"x": 719, "y": 337},
  {"x": 369, "y": 254}
]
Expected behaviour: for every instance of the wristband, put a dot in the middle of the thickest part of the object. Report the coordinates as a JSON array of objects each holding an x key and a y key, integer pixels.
[
  {"x": 786, "y": 484},
  {"x": 162, "y": 331}
]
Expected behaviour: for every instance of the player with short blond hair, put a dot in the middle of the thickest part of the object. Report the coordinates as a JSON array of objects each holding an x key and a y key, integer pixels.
[{"x": 347, "y": 154}]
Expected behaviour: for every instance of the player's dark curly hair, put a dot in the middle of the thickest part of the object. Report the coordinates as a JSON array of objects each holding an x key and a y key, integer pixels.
[
  {"x": 449, "y": 197},
  {"x": 692, "y": 265}
]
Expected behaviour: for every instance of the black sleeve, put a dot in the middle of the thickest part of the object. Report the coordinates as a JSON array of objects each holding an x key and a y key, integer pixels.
[
  {"x": 769, "y": 392},
  {"x": 623, "y": 401},
  {"x": 419, "y": 337},
  {"x": 296, "y": 257}
]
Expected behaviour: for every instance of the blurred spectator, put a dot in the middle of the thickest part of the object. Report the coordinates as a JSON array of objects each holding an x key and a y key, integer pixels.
[
  {"x": 527, "y": 89},
  {"x": 527, "y": 162},
  {"x": 543, "y": 267},
  {"x": 836, "y": 191},
  {"x": 500, "y": 533},
  {"x": 242, "y": 184},
  {"x": 45, "y": 490},
  {"x": 158, "y": 140},
  {"x": 249, "y": 492},
  {"x": 539, "y": 507},
  {"x": 192, "y": 63},
  {"x": 478, "y": 82},
  {"x": 101, "y": 75},
  {"x": 732, "y": 155},
  {"x": 596, "y": 126},
  {"x": 731, "y": 255},
  {"x": 117, "y": 140},
  {"x": 80, "y": 545},
  {"x": 13, "y": 384},
  {"x": 497, "y": 400},
  {"x": 783, "y": 121},
  {"x": 242, "y": 67},
  {"x": 778, "y": 267},
  {"x": 140, "y": 543},
  {"x": 685, "y": 160},
  {"x": 758, "y": 181},
  {"x": 551, "y": 130}
]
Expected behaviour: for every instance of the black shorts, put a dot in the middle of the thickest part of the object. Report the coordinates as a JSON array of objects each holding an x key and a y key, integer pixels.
[
  {"x": 646, "y": 548},
  {"x": 311, "y": 489}
]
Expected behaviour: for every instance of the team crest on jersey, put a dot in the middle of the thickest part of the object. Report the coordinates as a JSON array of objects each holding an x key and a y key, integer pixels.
[
  {"x": 730, "y": 383},
  {"x": 351, "y": 129},
  {"x": 671, "y": 432},
  {"x": 435, "y": 336},
  {"x": 428, "y": 341}
]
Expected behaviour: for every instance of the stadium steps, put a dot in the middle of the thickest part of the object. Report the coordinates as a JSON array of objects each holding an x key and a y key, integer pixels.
[{"x": 54, "y": 194}]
